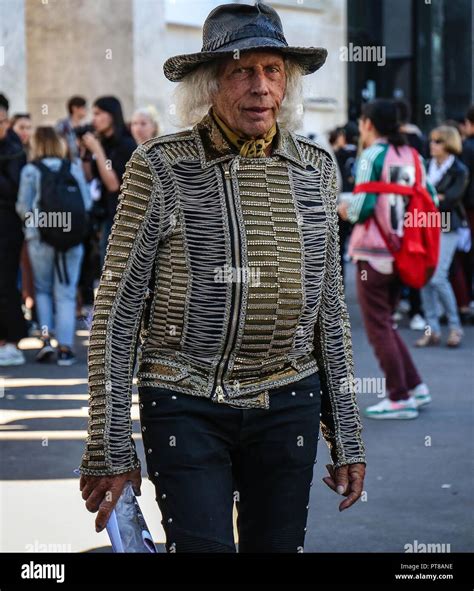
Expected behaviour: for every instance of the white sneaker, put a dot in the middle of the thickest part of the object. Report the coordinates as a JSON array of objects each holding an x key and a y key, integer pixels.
[
  {"x": 417, "y": 322},
  {"x": 389, "y": 409},
  {"x": 10, "y": 355},
  {"x": 421, "y": 394}
]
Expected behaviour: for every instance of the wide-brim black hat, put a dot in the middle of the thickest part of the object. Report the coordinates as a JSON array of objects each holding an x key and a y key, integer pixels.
[{"x": 231, "y": 27}]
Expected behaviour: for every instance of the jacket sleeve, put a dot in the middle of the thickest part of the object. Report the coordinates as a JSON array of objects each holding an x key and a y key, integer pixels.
[
  {"x": 340, "y": 419},
  {"x": 27, "y": 190},
  {"x": 454, "y": 192},
  {"x": 368, "y": 168},
  {"x": 467, "y": 157},
  {"x": 134, "y": 238},
  {"x": 10, "y": 175}
]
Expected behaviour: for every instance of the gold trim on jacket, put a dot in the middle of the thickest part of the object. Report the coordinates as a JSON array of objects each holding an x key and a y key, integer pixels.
[{"x": 224, "y": 273}]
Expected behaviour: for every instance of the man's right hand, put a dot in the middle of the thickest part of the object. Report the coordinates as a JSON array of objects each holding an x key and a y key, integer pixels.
[{"x": 101, "y": 493}]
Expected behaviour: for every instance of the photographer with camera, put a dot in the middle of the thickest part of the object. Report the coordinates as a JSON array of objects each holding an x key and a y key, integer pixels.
[{"x": 111, "y": 147}]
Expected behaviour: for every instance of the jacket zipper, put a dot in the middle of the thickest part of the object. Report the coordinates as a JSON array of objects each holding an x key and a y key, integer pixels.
[{"x": 237, "y": 289}]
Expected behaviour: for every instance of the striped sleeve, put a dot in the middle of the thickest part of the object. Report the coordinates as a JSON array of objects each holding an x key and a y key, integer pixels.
[
  {"x": 118, "y": 308},
  {"x": 369, "y": 168},
  {"x": 340, "y": 420}
]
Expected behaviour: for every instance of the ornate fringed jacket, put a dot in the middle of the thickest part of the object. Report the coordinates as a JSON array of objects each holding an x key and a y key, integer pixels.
[{"x": 221, "y": 279}]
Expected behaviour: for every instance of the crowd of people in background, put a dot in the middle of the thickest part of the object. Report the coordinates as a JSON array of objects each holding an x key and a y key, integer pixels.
[
  {"x": 387, "y": 142},
  {"x": 47, "y": 281},
  {"x": 46, "y": 284}
]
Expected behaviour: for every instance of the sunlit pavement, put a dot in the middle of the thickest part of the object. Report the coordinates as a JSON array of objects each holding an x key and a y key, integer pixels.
[{"x": 419, "y": 478}]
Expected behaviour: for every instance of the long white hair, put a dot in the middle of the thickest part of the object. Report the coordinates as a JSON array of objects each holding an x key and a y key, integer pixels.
[{"x": 193, "y": 96}]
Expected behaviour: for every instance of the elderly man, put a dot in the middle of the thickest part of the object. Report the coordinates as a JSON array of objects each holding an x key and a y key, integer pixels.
[{"x": 223, "y": 267}]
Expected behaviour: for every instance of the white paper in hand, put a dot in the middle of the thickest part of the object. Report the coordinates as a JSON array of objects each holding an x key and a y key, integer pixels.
[{"x": 126, "y": 526}]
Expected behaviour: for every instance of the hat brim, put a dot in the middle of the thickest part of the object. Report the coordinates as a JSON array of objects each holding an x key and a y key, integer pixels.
[{"x": 310, "y": 58}]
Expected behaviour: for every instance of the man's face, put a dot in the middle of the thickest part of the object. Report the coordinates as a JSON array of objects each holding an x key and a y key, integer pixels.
[
  {"x": 251, "y": 90},
  {"x": 3, "y": 123},
  {"x": 79, "y": 113}
]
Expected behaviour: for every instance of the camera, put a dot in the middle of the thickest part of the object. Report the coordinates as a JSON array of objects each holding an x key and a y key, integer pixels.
[{"x": 83, "y": 129}]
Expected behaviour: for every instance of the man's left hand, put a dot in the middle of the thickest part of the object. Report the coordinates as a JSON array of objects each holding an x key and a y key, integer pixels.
[{"x": 346, "y": 480}]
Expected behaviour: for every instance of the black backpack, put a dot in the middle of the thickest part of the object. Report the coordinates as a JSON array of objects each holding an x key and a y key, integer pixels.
[{"x": 61, "y": 196}]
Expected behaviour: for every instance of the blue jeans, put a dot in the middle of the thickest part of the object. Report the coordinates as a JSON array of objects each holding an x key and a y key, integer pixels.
[
  {"x": 55, "y": 301},
  {"x": 439, "y": 291},
  {"x": 202, "y": 456}
]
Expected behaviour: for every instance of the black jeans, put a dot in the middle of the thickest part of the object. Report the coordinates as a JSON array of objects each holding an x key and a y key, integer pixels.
[{"x": 202, "y": 456}]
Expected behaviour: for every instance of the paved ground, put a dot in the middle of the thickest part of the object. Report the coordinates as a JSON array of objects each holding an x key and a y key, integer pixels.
[{"x": 419, "y": 482}]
